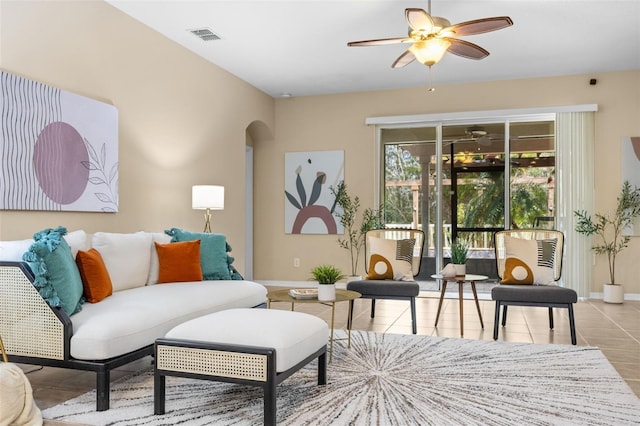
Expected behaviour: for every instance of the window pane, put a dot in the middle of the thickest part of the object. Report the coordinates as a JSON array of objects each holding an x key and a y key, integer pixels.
[
  {"x": 480, "y": 199},
  {"x": 532, "y": 183},
  {"x": 408, "y": 153}
]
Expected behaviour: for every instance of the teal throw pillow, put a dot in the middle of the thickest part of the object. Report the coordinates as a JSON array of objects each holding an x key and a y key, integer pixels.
[
  {"x": 213, "y": 252},
  {"x": 56, "y": 275},
  {"x": 235, "y": 275}
]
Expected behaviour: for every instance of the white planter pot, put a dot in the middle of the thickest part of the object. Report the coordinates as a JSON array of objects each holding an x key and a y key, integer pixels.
[
  {"x": 460, "y": 269},
  {"x": 326, "y": 292},
  {"x": 613, "y": 293}
]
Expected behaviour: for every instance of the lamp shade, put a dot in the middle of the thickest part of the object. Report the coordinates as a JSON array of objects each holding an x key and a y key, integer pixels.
[{"x": 207, "y": 197}]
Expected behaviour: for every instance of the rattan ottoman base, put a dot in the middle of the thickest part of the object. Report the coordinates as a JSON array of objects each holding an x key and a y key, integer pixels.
[{"x": 241, "y": 364}]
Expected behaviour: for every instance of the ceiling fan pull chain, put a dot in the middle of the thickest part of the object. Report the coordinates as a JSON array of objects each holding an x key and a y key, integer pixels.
[{"x": 431, "y": 88}]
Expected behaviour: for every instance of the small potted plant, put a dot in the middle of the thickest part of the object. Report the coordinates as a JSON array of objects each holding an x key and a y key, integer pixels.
[
  {"x": 459, "y": 252},
  {"x": 327, "y": 276},
  {"x": 609, "y": 228},
  {"x": 354, "y": 239}
]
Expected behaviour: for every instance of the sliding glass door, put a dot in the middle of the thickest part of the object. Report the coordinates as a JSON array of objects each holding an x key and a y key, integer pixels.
[{"x": 468, "y": 180}]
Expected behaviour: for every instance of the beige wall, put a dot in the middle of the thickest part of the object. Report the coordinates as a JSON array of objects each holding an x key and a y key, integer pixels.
[
  {"x": 337, "y": 122},
  {"x": 182, "y": 120}
]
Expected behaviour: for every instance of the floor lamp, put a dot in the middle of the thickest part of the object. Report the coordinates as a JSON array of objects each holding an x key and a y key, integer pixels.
[{"x": 207, "y": 197}]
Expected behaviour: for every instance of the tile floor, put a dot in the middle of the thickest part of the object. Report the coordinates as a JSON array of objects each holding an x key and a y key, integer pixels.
[{"x": 615, "y": 329}]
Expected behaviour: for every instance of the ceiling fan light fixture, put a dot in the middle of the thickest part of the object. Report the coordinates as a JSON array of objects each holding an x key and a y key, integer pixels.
[
  {"x": 440, "y": 23},
  {"x": 430, "y": 52}
]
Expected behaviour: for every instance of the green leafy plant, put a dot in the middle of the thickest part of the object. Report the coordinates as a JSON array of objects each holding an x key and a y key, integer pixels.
[
  {"x": 459, "y": 251},
  {"x": 326, "y": 274},
  {"x": 354, "y": 239},
  {"x": 609, "y": 228}
]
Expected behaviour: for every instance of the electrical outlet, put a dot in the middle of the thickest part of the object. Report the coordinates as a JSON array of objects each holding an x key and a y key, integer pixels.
[{"x": 296, "y": 262}]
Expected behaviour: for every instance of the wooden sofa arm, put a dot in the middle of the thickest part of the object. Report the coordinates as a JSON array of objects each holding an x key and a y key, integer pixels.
[{"x": 28, "y": 325}]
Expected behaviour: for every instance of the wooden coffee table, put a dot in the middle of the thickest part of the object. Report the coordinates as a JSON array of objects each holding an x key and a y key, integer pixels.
[{"x": 282, "y": 295}]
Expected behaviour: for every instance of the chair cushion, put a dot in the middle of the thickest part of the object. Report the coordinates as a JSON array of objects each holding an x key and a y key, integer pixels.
[
  {"x": 528, "y": 261},
  {"x": 534, "y": 294},
  {"x": 382, "y": 288}
]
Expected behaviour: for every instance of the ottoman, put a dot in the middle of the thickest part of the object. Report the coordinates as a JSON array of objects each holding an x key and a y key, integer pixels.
[{"x": 259, "y": 347}]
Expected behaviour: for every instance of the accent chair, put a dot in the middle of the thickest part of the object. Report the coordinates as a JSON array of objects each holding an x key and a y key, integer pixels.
[
  {"x": 407, "y": 254},
  {"x": 519, "y": 269}
]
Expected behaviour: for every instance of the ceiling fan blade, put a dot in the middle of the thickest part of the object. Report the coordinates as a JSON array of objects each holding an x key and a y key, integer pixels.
[
  {"x": 465, "y": 49},
  {"x": 484, "y": 141},
  {"x": 478, "y": 26},
  {"x": 405, "y": 59},
  {"x": 380, "y": 42},
  {"x": 419, "y": 20}
]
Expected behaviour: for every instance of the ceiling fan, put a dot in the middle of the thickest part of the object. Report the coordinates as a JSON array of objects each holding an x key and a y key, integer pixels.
[
  {"x": 479, "y": 135},
  {"x": 432, "y": 36}
]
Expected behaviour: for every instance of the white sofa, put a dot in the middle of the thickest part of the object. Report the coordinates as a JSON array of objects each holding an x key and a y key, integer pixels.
[{"x": 118, "y": 329}]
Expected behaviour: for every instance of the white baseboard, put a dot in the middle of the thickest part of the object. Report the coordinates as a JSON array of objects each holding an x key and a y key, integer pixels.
[{"x": 627, "y": 296}]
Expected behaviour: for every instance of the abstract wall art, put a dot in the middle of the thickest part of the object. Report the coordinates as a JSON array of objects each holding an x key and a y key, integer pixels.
[
  {"x": 631, "y": 171},
  {"x": 309, "y": 204},
  {"x": 59, "y": 149}
]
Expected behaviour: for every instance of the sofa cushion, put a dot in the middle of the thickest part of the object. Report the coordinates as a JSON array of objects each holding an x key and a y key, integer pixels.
[
  {"x": 12, "y": 251},
  {"x": 179, "y": 262},
  {"x": 385, "y": 288},
  {"x": 77, "y": 240},
  {"x": 154, "y": 268},
  {"x": 126, "y": 256},
  {"x": 134, "y": 318},
  {"x": 56, "y": 274},
  {"x": 213, "y": 252},
  {"x": 95, "y": 277}
]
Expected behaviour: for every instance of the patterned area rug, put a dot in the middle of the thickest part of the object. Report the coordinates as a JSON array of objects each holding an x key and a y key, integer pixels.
[{"x": 395, "y": 380}]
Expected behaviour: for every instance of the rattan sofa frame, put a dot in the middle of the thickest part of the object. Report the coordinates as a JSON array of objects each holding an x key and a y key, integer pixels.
[
  {"x": 240, "y": 364},
  {"x": 35, "y": 333}
]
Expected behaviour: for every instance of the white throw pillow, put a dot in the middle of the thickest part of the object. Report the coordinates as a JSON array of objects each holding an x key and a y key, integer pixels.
[
  {"x": 528, "y": 261},
  {"x": 126, "y": 256},
  {"x": 160, "y": 238},
  {"x": 390, "y": 259},
  {"x": 77, "y": 240},
  {"x": 12, "y": 251}
]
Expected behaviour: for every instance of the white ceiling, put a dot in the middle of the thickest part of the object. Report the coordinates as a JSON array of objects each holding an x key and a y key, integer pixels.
[{"x": 300, "y": 47}]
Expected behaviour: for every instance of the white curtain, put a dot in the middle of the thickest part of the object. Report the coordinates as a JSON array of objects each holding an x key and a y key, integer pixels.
[{"x": 575, "y": 147}]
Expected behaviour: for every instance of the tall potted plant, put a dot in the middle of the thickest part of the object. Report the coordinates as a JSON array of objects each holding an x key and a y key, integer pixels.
[
  {"x": 354, "y": 239},
  {"x": 609, "y": 228},
  {"x": 327, "y": 276}
]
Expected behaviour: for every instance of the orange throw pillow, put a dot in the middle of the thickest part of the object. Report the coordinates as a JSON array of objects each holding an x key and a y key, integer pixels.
[
  {"x": 179, "y": 262},
  {"x": 96, "y": 282}
]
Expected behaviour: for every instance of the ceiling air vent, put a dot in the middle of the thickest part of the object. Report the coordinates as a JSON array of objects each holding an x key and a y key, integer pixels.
[{"x": 205, "y": 34}]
